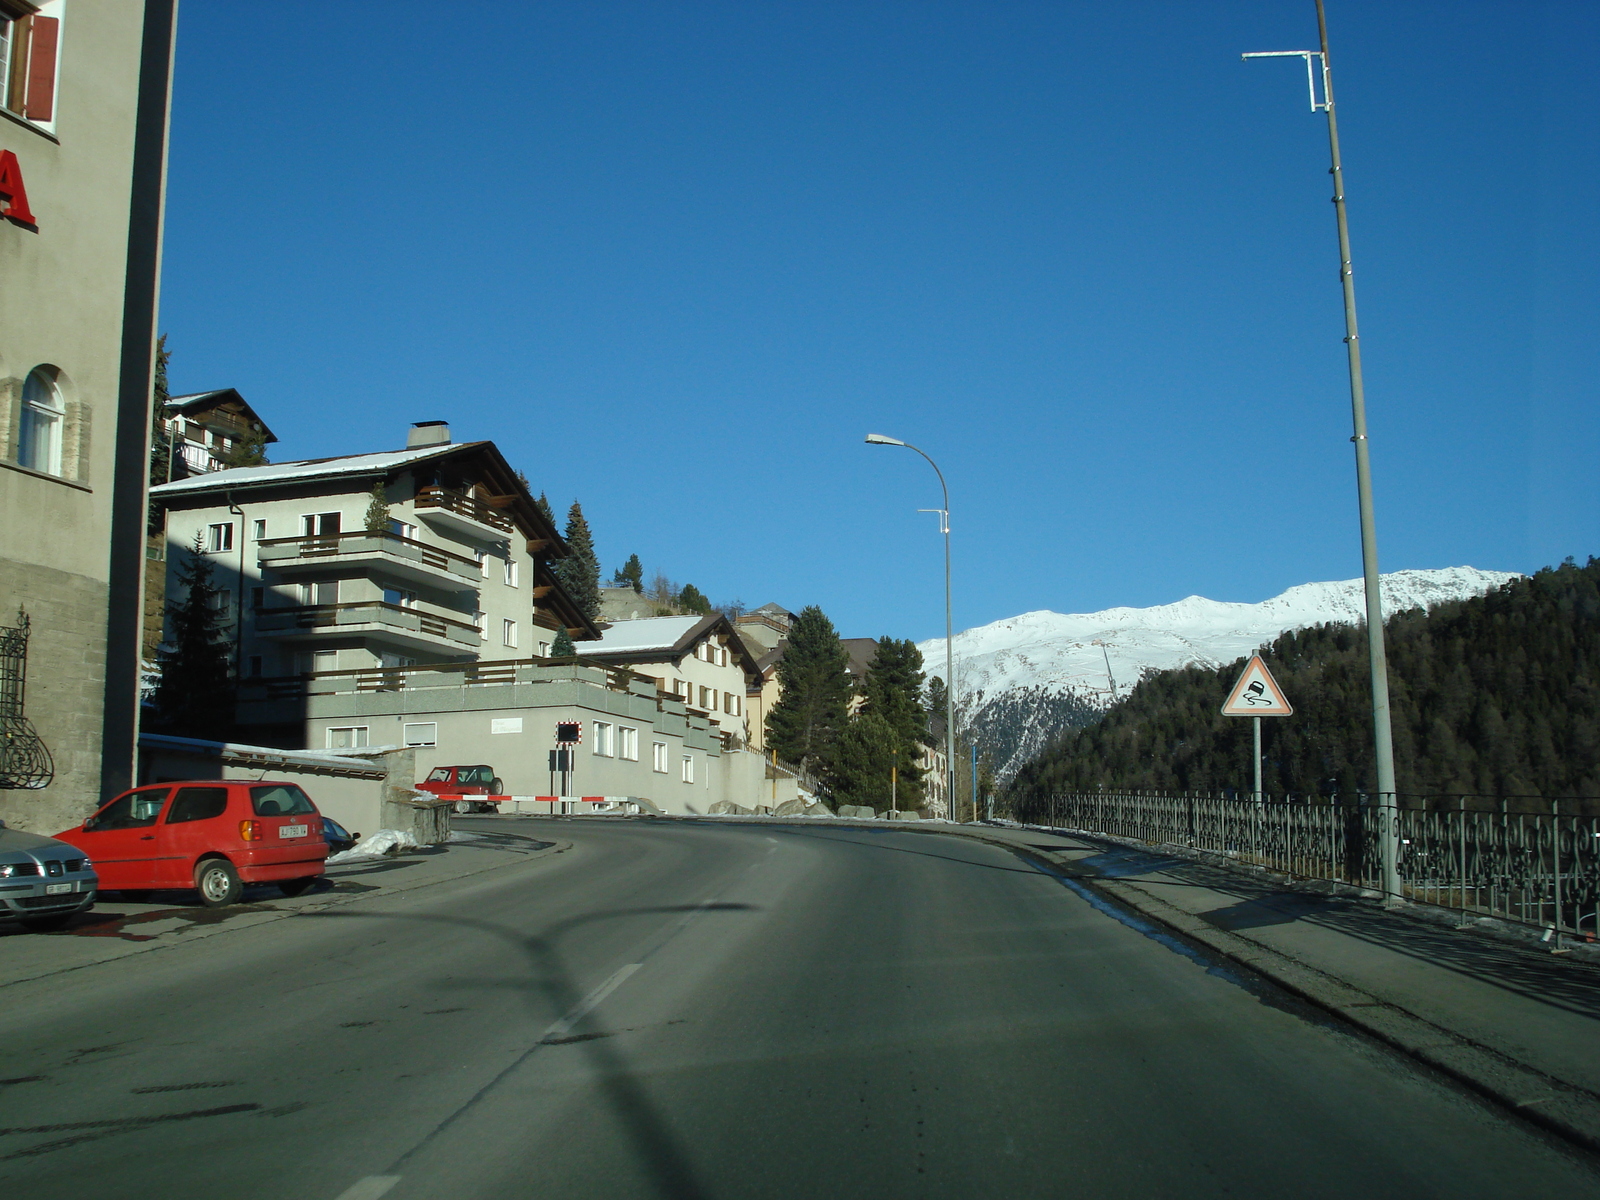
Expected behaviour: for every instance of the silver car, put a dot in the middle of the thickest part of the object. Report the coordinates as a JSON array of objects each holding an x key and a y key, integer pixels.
[{"x": 43, "y": 882}]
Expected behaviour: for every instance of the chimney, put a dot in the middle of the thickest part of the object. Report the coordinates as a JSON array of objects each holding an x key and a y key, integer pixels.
[{"x": 428, "y": 433}]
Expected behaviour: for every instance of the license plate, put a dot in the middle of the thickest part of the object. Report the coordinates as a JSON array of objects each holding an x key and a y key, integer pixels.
[
  {"x": 292, "y": 831},
  {"x": 56, "y": 889}
]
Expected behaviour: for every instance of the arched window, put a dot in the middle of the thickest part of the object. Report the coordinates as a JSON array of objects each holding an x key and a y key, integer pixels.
[{"x": 43, "y": 415}]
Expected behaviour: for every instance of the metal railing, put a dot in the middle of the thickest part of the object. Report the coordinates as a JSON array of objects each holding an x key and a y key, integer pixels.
[
  {"x": 25, "y": 760},
  {"x": 361, "y": 541},
  {"x": 1521, "y": 859},
  {"x": 463, "y": 505},
  {"x": 365, "y": 612}
]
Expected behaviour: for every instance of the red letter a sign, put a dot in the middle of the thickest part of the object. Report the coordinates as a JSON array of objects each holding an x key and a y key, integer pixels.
[{"x": 14, "y": 195}]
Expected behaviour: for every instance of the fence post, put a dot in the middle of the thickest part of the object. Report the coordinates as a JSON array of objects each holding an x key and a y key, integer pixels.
[{"x": 1555, "y": 865}]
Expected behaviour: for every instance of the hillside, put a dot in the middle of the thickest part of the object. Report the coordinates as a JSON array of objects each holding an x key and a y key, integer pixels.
[
  {"x": 1023, "y": 680},
  {"x": 1498, "y": 695}
]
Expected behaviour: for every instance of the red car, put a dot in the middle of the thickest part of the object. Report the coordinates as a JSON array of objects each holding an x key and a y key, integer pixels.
[
  {"x": 214, "y": 836},
  {"x": 476, "y": 780}
]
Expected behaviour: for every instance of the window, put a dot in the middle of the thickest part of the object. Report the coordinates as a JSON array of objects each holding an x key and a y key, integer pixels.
[
  {"x": 511, "y": 572},
  {"x": 722, "y": 656},
  {"x": 255, "y": 666},
  {"x": 658, "y": 757},
  {"x": 133, "y": 811},
  {"x": 727, "y": 703},
  {"x": 258, "y": 529},
  {"x": 403, "y": 529},
  {"x": 28, "y": 49},
  {"x": 421, "y": 733},
  {"x": 688, "y": 768},
  {"x": 483, "y": 563},
  {"x": 346, "y": 737},
  {"x": 399, "y": 597},
  {"x": 708, "y": 698},
  {"x": 324, "y": 591},
  {"x": 258, "y": 597},
  {"x": 544, "y": 649},
  {"x": 319, "y": 660},
  {"x": 481, "y": 621},
  {"x": 602, "y": 739},
  {"x": 220, "y": 601},
  {"x": 629, "y": 748},
  {"x": 219, "y": 537},
  {"x": 282, "y": 799},
  {"x": 43, "y": 415},
  {"x": 508, "y": 632},
  {"x": 388, "y": 658},
  {"x": 197, "y": 804},
  {"x": 319, "y": 525}
]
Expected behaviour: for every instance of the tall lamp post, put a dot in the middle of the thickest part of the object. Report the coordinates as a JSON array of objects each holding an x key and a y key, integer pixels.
[
  {"x": 878, "y": 439},
  {"x": 1389, "y": 837}
]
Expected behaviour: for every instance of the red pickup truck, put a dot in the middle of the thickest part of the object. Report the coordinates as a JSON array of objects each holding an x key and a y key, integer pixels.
[{"x": 476, "y": 780}]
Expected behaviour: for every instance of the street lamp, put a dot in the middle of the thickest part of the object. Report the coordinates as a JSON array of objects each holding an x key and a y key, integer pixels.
[
  {"x": 1389, "y": 838},
  {"x": 878, "y": 439}
]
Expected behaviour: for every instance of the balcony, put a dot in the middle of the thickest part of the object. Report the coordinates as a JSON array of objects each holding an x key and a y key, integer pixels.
[
  {"x": 403, "y": 557},
  {"x": 375, "y": 619},
  {"x": 461, "y": 513}
]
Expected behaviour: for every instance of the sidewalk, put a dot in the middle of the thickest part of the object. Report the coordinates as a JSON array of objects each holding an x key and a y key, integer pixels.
[
  {"x": 115, "y": 928},
  {"x": 1511, "y": 1021}
]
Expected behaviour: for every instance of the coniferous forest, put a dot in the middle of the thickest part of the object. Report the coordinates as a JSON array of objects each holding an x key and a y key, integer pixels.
[{"x": 1498, "y": 695}]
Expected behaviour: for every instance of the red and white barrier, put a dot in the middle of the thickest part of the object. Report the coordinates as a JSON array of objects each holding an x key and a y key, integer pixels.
[{"x": 559, "y": 806}]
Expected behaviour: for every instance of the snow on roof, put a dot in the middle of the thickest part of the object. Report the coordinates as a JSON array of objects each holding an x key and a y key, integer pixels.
[
  {"x": 646, "y": 633},
  {"x": 313, "y": 468},
  {"x": 185, "y": 401}
]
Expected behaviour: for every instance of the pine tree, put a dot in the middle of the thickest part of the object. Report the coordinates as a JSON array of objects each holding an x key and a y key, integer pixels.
[
  {"x": 694, "y": 600},
  {"x": 160, "y": 438},
  {"x": 814, "y": 679},
  {"x": 863, "y": 759},
  {"x": 893, "y": 694},
  {"x": 631, "y": 574},
  {"x": 542, "y": 504},
  {"x": 377, "y": 519},
  {"x": 195, "y": 695},
  {"x": 562, "y": 646},
  {"x": 579, "y": 572}
]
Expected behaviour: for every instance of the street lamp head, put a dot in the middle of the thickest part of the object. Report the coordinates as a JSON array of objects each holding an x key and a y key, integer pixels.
[{"x": 878, "y": 439}]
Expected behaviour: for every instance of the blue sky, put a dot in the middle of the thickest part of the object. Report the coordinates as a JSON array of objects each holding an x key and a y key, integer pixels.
[{"x": 678, "y": 259}]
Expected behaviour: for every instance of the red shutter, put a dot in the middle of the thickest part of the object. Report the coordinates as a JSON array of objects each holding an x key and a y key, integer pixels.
[{"x": 42, "y": 69}]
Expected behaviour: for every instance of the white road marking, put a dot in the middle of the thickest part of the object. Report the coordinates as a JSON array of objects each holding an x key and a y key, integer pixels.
[
  {"x": 585, "y": 1006},
  {"x": 369, "y": 1188}
]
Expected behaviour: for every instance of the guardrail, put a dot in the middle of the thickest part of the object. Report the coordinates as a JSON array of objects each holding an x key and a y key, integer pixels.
[
  {"x": 324, "y": 545},
  {"x": 1482, "y": 856}
]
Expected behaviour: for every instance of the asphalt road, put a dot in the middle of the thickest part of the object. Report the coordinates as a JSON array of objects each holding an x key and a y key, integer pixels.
[{"x": 720, "y": 1010}]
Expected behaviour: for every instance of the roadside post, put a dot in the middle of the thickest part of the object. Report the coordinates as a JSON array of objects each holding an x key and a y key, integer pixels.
[
  {"x": 1257, "y": 695},
  {"x": 568, "y": 735}
]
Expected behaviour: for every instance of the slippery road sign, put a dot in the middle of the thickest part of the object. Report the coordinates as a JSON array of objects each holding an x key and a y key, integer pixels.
[{"x": 1257, "y": 694}]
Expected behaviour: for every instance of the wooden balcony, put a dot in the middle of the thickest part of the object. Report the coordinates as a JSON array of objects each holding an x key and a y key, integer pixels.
[
  {"x": 464, "y": 513},
  {"x": 394, "y": 554}
]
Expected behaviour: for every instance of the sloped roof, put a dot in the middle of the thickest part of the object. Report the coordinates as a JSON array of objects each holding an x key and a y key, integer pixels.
[
  {"x": 197, "y": 400},
  {"x": 310, "y": 468},
  {"x": 666, "y": 634}
]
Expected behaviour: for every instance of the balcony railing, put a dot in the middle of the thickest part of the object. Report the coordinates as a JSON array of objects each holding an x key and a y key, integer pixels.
[
  {"x": 365, "y": 612},
  {"x": 310, "y": 547},
  {"x": 463, "y": 506}
]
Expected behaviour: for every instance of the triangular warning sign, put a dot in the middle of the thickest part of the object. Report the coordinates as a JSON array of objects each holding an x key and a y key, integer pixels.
[{"x": 1257, "y": 694}]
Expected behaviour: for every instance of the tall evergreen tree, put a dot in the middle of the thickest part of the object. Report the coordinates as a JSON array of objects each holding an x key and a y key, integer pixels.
[
  {"x": 160, "y": 438},
  {"x": 863, "y": 759},
  {"x": 542, "y": 503},
  {"x": 631, "y": 574},
  {"x": 195, "y": 695},
  {"x": 579, "y": 572},
  {"x": 694, "y": 600},
  {"x": 892, "y": 693},
  {"x": 814, "y": 682}
]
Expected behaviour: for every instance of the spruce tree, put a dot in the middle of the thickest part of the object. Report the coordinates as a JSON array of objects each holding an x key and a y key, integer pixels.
[
  {"x": 377, "y": 519},
  {"x": 813, "y": 675},
  {"x": 863, "y": 760},
  {"x": 542, "y": 504},
  {"x": 579, "y": 572},
  {"x": 160, "y": 438},
  {"x": 562, "y": 646},
  {"x": 195, "y": 695},
  {"x": 631, "y": 574},
  {"x": 893, "y": 693},
  {"x": 694, "y": 600}
]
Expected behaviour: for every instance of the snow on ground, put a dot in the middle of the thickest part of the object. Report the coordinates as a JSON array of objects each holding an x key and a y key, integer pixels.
[{"x": 375, "y": 845}]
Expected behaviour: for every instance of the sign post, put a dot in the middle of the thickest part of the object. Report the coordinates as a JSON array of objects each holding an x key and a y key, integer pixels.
[
  {"x": 568, "y": 734},
  {"x": 1257, "y": 695}
]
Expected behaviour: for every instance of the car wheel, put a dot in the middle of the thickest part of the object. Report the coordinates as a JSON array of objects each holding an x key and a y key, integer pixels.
[
  {"x": 293, "y": 887},
  {"x": 46, "y": 924},
  {"x": 497, "y": 788},
  {"x": 463, "y": 806},
  {"x": 218, "y": 883}
]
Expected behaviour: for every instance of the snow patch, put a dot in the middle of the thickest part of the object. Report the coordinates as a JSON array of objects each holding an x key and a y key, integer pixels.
[{"x": 376, "y": 845}]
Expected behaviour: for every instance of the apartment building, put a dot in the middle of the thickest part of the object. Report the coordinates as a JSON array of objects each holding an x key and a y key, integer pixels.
[
  {"x": 456, "y": 570},
  {"x": 205, "y": 429},
  {"x": 84, "y": 96},
  {"x": 699, "y": 660}
]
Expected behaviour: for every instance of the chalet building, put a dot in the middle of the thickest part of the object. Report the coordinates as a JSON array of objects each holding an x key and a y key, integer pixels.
[
  {"x": 203, "y": 430},
  {"x": 459, "y": 571},
  {"x": 84, "y": 98},
  {"x": 767, "y": 626},
  {"x": 699, "y": 660}
]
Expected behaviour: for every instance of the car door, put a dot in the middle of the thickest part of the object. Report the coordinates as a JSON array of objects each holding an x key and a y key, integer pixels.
[
  {"x": 121, "y": 839},
  {"x": 195, "y": 823}
]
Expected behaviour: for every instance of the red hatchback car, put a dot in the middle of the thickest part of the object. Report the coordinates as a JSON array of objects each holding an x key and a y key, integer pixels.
[{"x": 214, "y": 836}]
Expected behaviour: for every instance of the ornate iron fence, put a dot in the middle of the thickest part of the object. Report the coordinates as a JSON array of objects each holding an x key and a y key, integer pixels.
[
  {"x": 1518, "y": 859},
  {"x": 24, "y": 758}
]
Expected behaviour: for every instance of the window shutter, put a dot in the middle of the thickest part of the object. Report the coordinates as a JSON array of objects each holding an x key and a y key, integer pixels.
[{"x": 42, "y": 69}]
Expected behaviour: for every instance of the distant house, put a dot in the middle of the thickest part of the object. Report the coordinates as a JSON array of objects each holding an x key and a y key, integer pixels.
[
  {"x": 204, "y": 428},
  {"x": 460, "y": 572},
  {"x": 699, "y": 660},
  {"x": 767, "y": 626}
]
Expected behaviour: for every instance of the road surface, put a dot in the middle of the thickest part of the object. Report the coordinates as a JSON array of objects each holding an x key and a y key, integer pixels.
[{"x": 680, "y": 1009}]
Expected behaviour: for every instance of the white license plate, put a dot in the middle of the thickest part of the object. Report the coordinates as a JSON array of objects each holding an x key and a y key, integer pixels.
[
  {"x": 292, "y": 831},
  {"x": 56, "y": 889}
]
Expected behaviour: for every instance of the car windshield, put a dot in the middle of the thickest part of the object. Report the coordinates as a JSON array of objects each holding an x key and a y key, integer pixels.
[
  {"x": 280, "y": 800},
  {"x": 439, "y": 775},
  {"x": 132, "y": 811},
  {"x": 198, "y": 804}
]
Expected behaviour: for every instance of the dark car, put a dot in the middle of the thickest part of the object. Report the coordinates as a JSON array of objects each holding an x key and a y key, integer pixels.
[
  {"x": 339, "y": 838},
  {"x": 43, "y": 882}
]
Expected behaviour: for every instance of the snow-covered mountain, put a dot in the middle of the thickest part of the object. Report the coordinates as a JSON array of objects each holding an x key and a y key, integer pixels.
[{"x": 1022, "y": 680}]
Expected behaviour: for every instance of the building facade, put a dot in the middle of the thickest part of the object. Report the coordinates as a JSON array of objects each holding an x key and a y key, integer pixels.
[{"x": 84, "y": 97}]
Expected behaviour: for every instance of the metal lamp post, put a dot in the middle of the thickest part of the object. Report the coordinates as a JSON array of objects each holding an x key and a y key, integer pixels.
[
  {"x": 1389, "y": 838},
  {"x": 878, "y": 439}
]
